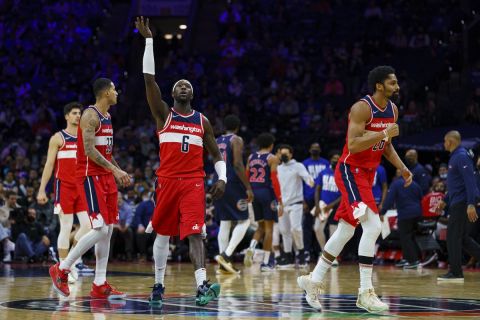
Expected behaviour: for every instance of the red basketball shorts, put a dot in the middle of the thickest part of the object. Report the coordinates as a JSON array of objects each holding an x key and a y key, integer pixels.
[
  {"x": 179, "y": 206},
  {"x": 100, "y": 194},
  {"x": 67, "y": 199},
  {"x": 355, "y": 185}
]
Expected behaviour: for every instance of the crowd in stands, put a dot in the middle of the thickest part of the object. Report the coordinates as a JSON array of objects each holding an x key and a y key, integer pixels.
[{"x": 298, "y": 62}]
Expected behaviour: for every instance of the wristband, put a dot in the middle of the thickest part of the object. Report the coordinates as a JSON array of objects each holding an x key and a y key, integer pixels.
[{"x": 221, "y": 170}]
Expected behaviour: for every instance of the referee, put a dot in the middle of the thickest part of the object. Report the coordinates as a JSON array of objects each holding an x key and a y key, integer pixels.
[{"x": 463, "y": 195}]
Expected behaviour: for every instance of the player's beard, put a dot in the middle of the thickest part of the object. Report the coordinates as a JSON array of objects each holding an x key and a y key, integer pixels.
[{"x": 395, "y": 97}]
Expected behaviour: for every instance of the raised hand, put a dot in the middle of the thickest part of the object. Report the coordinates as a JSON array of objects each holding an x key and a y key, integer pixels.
[{"x": 143, "y": 27}]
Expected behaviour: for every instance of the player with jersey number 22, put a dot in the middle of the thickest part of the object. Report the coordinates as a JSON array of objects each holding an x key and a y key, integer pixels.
[{"x": 180, "y": 191}]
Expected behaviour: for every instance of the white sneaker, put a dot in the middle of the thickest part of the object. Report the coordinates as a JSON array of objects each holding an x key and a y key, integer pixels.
[
  {"x": 248, "y": 259},
  {"x": 10, "y": 246},
  {"x": 73, "y": 275},
  {"x": 369, "y": 301},
  {"x": 7, "y": 257},
  {"x": 312, "y": 290}
]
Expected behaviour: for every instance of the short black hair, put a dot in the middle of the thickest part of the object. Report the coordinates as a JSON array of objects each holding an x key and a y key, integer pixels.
[
  {"x": 100, "y": 85},
  {"x": 378, "y": 75},
  {"x": 231, "y": 122},
  {"x": 265, "y": 140},
  {"x": 72, "y": 105},
  {"x": 333, "y": 152},
  {"x": 286, "y": 146}
]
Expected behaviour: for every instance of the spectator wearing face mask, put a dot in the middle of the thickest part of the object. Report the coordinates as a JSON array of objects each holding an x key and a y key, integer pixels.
[
  {"x": 443, "y": 172},
  {"x": 315, "y": 164},
  {"x": 420, "y": 174},
  {"x": 291, "y": 175},
  {"x": 31, "y": 241}
]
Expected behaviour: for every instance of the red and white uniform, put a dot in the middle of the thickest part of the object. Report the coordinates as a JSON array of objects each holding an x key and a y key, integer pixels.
[
  {"x": 180, "y": 191},
  {"x": 67, "y": 198},
  {"x": 94, "y": 182},
  {"x": 355, "y": 173},
  {"x": 430, "y": 202}
]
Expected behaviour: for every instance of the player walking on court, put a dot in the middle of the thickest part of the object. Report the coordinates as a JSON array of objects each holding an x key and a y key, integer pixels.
[
  {"x": 262, "y": 171},
  {"x": 180, "y": 190},
  {"x": 96, "y": 171},
  {"x": 232, "y": 207},
  {"x": 372, "y": 125},
  {"x": 61, "y": 156}
]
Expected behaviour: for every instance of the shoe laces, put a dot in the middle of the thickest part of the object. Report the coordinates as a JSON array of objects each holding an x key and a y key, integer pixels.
[
  {"x": 372, "y": 296},
  {"x": 204, "y": 287},
  {"x": 317, "y": 288},
  {"x": 63, "y": 276},
  {"x": 158, "y": 288}
]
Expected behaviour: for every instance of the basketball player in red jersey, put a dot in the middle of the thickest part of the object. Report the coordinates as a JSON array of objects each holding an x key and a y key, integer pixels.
[
  {"x": 372, "y": 125},
  {"x": 62, "y": 154},
  {"x": 180, "y": 194},
  {"x": 96, "y": 171}
]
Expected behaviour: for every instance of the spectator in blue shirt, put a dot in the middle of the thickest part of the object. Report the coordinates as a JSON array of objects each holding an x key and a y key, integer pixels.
[
  {"x": 463, "y": 197},
  {"x": 315, "y": 165},
  {"x": 408, "y": 201},
  {"x": 420, "y": 174},
  {"x": 122, "y": 230},
  {"x": 380, "y": 186},
  {"x": 143, "y": 215},
  {"x": 327, "y": 192}
]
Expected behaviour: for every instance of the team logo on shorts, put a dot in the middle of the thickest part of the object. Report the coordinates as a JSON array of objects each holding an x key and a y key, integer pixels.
[
  {"x": 242, "y": 205},
  {"x": 274, "y": 205}
]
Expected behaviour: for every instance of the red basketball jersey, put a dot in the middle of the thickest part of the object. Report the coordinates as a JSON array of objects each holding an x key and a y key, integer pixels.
[
  {"x": 181, "y": 146},
  {"x": 103, "y": 143},
  {"x": 66, "y": 158},
  {"x": 430, "y": 202},
  {"x": 379, "y": 120}
]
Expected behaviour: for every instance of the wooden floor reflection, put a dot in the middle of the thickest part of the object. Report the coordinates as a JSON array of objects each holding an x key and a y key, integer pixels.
[{"x": 25, "y": 293}]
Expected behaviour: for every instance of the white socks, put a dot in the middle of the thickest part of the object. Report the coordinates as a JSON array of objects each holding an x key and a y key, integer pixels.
[
  {"x": 200, "y": 276},
  {"x": 237, "y": 236},
  {"x": 321, "y": 269},
  {"x": 224, "y": 235},
  {"x": 266, "y": 257},
  {"x": 102, "y": 249},
  {"x": 160, "y": 255},
  {"x": 253, "y": 244},
  {"x": 365, "y": 277}
]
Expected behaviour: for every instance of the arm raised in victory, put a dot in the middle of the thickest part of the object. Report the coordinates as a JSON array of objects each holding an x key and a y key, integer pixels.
[{"x": 158, "y": 107}]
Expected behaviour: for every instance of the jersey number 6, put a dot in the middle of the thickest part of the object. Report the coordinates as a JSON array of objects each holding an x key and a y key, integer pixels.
[{"x": 185, "y": 144}]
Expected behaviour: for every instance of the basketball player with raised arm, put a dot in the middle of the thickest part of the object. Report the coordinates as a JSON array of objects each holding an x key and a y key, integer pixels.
[
  {"x": 371, "y": 126},
  {"x": 96, "y": 172},
  {"x": 62, "y": 156},
  {"x": 180, "y": 188}
]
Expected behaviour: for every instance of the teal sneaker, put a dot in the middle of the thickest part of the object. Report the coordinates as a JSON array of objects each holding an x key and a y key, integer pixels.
[{"x": 207, "y": 292}]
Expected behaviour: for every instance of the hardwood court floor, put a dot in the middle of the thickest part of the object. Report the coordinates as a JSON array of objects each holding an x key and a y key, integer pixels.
[{"x": 25, "y": 293}]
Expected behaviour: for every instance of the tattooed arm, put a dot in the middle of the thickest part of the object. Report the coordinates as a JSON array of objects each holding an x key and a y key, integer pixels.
[
  {"x": 115, "y": 163},
  {"x": 89, "y": 124}
]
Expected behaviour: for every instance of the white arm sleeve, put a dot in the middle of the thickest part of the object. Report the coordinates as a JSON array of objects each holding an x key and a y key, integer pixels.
[
  {"x": 148, "y": 61},
  {"x": 221, "y": 169}
]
